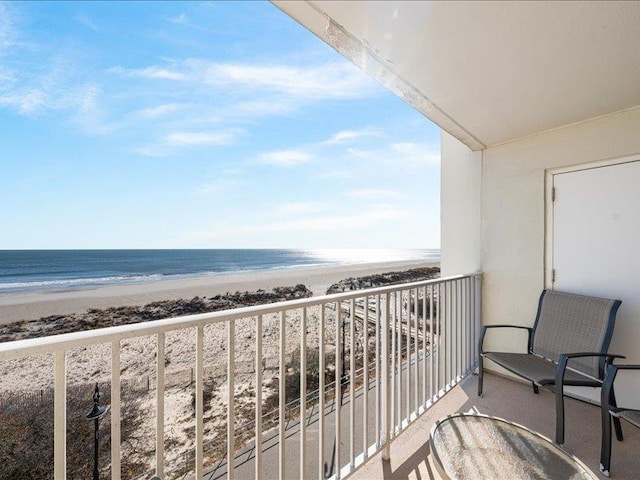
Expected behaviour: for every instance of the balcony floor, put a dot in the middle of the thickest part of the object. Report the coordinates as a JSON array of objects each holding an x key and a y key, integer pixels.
[{"x": 513, "y": 401}]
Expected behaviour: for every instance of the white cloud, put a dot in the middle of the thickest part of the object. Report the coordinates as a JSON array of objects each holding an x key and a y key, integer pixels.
[
  {"x": 86, "y": 21},
  {"x": 276, "y": 105},
  {"x": 330, "y": 80},
  {"x": 348, "y": 221},
  {"x": 216, "y": 187},
  {"x": 179, "y": 19},
  {"x": 373, "y": 193},
  {"x": 285, "y": 158},
  {"x": 225, "y": 178},
  {"x": 303, "y": 207},
  {"x": 408, "y": 154},
  {"x": 354, "y": 152},
  {"x": 184, "y": 21},
  {"x": 417, "y": 154},
  {"x": 323, "y": 81},
  {"x": 346, "y": 135},
  {"x": 53, "y": 80},
  {"x": 7, "y": 75},
  {"x": 158, "y": 111},
  {"x": 240, "y": 93},
  {"x": 233, "y": 172},
  {"x": 201, "y": 138},
  {"x": 26, "y": 101},
  {"x": 155, "y": 73},
  {"x": 335, "y": 174},
  {"x": 176, "y": 140},
  {"x": 8, "y": 19},
  {"x": 48, "y": 94},
  {"x": 153, "y": 151}
]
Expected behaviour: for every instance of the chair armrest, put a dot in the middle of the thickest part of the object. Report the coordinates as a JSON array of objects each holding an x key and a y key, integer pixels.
[
  {"x": 625, "y": 367},
  {"x": 484, "y": 331},
  {"x": 564, "y": 359},
  {"x": 617, "y": 411},
  {"x": 589, "y": 354}
]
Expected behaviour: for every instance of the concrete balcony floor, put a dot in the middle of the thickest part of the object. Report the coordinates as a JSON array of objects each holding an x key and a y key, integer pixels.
[{"x": 516, "y": 402}]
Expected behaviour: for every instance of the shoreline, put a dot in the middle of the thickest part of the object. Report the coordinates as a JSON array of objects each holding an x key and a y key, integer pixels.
[
  {"x": 25, "y": 380},
  {"x": 33, "y": 305}
]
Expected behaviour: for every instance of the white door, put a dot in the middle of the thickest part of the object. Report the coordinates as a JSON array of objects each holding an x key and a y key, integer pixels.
[{"x": 596, "y": 251}]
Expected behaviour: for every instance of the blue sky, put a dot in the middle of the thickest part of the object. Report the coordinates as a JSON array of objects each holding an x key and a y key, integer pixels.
[{"x": 201, "y": 125}]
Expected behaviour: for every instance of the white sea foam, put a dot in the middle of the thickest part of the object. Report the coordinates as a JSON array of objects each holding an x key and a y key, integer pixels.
[{"x": 76, "y": 282}]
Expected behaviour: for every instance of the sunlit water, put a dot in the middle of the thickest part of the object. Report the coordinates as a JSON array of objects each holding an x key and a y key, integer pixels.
[{"x": 63, "y": 269}]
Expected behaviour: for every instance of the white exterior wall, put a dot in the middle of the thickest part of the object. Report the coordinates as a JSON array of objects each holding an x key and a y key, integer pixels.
[
  {"x": 460, "y": 200},
  {"x": 513, "y": 211}
]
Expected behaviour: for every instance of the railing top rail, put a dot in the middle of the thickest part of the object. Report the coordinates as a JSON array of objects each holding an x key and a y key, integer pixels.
[{"x": 65, "y": 341}]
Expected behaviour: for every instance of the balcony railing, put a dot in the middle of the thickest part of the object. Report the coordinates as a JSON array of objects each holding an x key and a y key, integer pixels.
[{"x": 381, "y": 357}]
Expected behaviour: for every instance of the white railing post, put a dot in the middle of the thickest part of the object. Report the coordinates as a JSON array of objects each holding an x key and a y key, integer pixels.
[
  {"x": 115, "y": 410},
  {"x": 231, "y": 376},
  {"x": 433, "y": 339},
  {"x": 386, "y": 390},
  {"x": 446, "y": 349},
  {"x": 455, "y": 337},
  {"x": 60, "y": 417},
  {"x": 440, "y": 344},
  {"x": 416, "y": 352},
  {"x": 338, "y": 389},
  {"x": 424, "y": 347},
  {"x": 378, "y": 373},
  {"x": 469, "y": 326},
  {"x": 200, "y": 402},
  {"x": 258, "y": 434},
  {"x": 352, "y": 382},
  {"x": 365, "y": 396},
  {"x": 303, "y": 391},
  {"x": 160, "y": 405},
  {"x": 392, "y": 306},
  {"x": 321, "y": 426},
  {"x": 477, "y": 311},
  {"x": 281, "y": 399},
  {"x": 409, "y": 368},
  {"x": 398, "y": 370}
]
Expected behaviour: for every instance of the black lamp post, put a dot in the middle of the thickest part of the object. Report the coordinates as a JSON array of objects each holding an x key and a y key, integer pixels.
[{"x": 95, "y": 414}]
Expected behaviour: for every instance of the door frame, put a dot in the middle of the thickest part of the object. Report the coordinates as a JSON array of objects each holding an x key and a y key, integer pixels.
[{"x": 548, "y": 203}]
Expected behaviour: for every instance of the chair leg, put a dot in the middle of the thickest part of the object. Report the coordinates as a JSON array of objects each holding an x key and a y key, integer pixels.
[
  {"x": 536, "y": 390},
  {"x": 480, "y": 375},
  {"x": 559, "y": 414},
  {"x": 605, "y": 449},
  {"x": 616, "y": 420}
]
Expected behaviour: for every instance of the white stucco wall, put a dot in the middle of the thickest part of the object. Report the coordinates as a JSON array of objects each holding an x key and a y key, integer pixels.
[
  {"x": 513, "y": 210},
  {"x": 460, "y": 207}
]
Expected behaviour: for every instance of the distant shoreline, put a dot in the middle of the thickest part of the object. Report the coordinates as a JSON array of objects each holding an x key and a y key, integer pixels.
[{"x": 31, "y": 305}]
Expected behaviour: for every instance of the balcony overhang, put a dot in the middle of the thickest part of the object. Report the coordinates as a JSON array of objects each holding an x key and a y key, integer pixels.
[{"x": 490, "y": 72}]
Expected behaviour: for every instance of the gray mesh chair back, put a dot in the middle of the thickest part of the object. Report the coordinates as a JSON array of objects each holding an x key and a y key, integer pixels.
[{"x": 574, "y": 323}]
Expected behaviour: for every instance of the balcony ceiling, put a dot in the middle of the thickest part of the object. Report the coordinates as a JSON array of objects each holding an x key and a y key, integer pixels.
[{"x": 490, "y": 72}]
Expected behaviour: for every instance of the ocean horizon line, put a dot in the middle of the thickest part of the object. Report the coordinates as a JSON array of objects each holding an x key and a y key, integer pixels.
[{"x": 54, "y": 270}]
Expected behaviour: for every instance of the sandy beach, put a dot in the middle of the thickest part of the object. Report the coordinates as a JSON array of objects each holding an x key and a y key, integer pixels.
[
  {"x": 33, "y": 305},
  {"x": 90, "y": 365}
]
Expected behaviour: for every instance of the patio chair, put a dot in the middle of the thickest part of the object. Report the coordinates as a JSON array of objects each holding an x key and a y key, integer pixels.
[
  {"x": 571, "y": 331},
  {"x": 611, "y": 410}
]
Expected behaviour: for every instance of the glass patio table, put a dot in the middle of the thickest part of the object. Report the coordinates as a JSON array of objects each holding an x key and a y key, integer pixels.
[{"x": 472, "y": 446}]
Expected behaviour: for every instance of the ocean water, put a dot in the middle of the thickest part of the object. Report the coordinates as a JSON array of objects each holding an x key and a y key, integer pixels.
[{"x": 24, "y": 270}]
